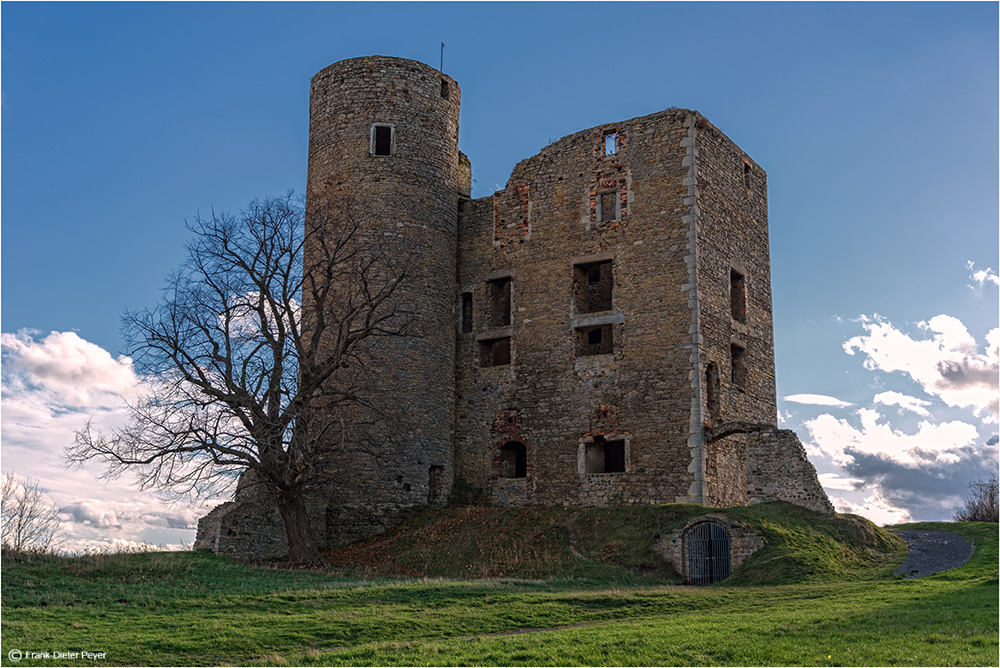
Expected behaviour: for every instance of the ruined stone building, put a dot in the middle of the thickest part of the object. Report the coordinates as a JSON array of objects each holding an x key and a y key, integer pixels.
[{"x": 597, "y": 332}]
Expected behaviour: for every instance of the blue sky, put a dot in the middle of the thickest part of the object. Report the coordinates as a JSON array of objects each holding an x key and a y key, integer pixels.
[{"x": 876, "y": 122}]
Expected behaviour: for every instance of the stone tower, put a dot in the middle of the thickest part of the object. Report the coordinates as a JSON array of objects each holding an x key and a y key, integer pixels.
[{"x": 383, "y": 140}]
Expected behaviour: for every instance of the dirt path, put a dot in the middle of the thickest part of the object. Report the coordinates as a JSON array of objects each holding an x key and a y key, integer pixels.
[{"x": 930, "y": 552}]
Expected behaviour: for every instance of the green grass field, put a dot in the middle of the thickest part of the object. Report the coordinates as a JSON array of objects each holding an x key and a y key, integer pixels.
[{"x": 820, "y": 593}]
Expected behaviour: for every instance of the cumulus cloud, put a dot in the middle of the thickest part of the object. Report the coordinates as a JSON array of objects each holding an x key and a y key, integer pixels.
[
  {"x": 922, "y": 473},
  {"x": 836, "y": 481},
  {"x": 76, "y": 372},
  {"x": 982, "y": 277},
  {"x": 875, "y": 507},
  {"x": 51, "y": 386},
  {"x": 905, "y": 402},
  {"x": 948, "y": 364},
  {"x": 931, "y": 444},
  {"x": 817, "y": 400}
]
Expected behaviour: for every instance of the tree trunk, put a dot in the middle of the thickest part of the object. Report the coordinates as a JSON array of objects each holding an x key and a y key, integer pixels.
[{"x": 302, "y": 549}]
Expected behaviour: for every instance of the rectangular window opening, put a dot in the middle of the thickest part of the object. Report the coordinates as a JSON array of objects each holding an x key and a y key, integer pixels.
[
  {"x": 747, "y": 173},
  {"x": 466, "y": 312},
  {"x": 444, "y": 89},
  {"x": 610, "y": 143},
  {"x": 604, "y": 456},
  {"x": 382, "y": 140},
  {"x": 738, "y": 359},
  {"x": 499, "y": 292},
  {"x": 593, "y": 284},
  {"x": 609, "y": 206},
  {"x": 737, "y": 295},
  {"x": 494, "y": 352},
  {"x": 614, "y": 457},
  {"x": 595, "y": 340}
]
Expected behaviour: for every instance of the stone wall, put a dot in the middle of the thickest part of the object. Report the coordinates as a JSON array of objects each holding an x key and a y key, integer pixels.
[
  {"x": 572, "y": 206},
  {"x": 778, "y": 470}
]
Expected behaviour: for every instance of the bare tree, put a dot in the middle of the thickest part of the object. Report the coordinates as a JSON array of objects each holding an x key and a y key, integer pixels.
[
  {"x": 29, "y": 521},
  {"x": 981, "y": 503},
  {"x": 272, "y": 316}
]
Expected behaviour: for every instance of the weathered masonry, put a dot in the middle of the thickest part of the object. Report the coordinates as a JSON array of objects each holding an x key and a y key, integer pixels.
[{"x": 597, "y": 332}]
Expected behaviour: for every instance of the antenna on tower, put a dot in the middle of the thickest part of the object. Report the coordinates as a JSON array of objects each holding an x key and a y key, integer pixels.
[{"x": 441, "y": 69}]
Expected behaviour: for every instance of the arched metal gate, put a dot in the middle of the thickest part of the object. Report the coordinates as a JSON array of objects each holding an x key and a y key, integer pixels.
[{"x": 708, "y": 554}]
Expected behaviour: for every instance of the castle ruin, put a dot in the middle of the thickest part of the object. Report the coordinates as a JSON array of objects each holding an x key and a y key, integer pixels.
[{"x": 598, "y": 332}]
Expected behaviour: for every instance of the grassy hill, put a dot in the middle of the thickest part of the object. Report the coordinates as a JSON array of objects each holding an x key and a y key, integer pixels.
[
  {"x": 541, "y": 605},
  {"x": 616, "y": 543}
]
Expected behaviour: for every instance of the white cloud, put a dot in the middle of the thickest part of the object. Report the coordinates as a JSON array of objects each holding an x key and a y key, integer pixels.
[
  {"x": 931, "y": 444},
  {"x": 76, "y": 372},
  {"x": 947, "y": 365},
  {"x": 982, "y": 277},
  {"x": 905, "y": 402},
  {"x": 875, "y": 507},
  {"x": 836, "y": 481},
  {"x": 51, "y": 387},
  {"x": 817, "y": 400}
]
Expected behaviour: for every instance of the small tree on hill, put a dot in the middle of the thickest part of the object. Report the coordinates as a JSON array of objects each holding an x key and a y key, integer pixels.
[
  {"x": 273, "y": 314},
  {"x": 29, "y": 521},
  {"x": 981, "y": 504}
]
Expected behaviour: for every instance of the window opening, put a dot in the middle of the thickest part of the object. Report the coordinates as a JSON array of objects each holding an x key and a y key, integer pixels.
[
  {"x": 712, "y": 390},
  {"x": 604, "y": 456},
  {"x": 513, "y": 460},
  {"x": 494, "y": 352},
  {"x": 594, "y": 284},
  {"x": 466, "y": 312},
  {"x": 708, "y": 554},
  {"x": 747, "y": 171},
  {"x": 739, "y": 354},
  {"x": 444, "y": 89},
  {"x": 609, "y": 206},
  {"x": 737, "y": 295},
  {"x": 610, "y": 143},
  {"x": 382, "y": 140},
  {"x": 597, "y": 340},
  {"x": 500, "y": 297}
]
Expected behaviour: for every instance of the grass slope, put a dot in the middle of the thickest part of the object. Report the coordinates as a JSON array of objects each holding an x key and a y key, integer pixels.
[
  {"x": 533, "y": 542},
  {"x": 199, "y": 609}
]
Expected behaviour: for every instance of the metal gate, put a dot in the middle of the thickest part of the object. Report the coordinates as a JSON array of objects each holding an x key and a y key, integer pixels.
[{"x": 708, "y": 554}]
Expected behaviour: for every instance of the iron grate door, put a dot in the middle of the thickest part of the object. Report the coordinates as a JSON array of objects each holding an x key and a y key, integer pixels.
[{"x": 708, "y": 554}]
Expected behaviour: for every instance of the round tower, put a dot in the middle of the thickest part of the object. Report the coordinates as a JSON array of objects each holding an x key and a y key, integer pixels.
[{"x": 383, "y": 142}]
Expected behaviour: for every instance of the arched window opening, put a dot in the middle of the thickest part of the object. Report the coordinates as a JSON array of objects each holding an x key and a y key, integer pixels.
[{"x": 513, "y": 460}]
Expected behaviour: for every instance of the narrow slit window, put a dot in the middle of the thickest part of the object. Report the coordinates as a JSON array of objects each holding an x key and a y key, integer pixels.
[
  {"x": 747, "y": 173},
  {"x": 738, "y": 295},
  {"x": 500, "y": 297},
  {"x": 610, "y": 143},
  {"x": 445, "y": 89},
  {"x": 712, "y": 388},
  {"x": 738, "y": 359},
  {"x": 466, "y": 312},
  {"x": 593, "y": 284},
  {"x": 382, "y": 140},
  {"x": 609, "y": 206}
]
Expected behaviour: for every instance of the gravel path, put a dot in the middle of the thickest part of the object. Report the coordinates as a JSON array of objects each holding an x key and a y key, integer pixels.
[{"x": 930, "y": 552}]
